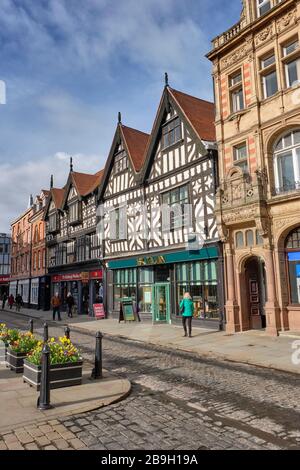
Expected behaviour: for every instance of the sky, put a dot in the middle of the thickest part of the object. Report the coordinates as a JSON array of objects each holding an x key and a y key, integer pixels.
[{"x": 69, "y": 67}]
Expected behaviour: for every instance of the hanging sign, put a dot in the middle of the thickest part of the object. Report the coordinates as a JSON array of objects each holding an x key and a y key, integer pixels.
[{"x": 99, "y": 311}]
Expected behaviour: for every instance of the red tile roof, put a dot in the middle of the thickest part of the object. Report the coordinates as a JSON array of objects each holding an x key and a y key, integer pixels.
[
  {"x": 57, "y": 196},
  {"x": 200, "y": 113},
  {"x": 86, "y": 183},
  {"x": 136, "y": 142}
]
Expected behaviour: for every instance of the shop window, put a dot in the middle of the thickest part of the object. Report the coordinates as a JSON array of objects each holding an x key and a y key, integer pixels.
[
  {"x": 124, "y": 285},
  {"x": 293, "y": 265}
]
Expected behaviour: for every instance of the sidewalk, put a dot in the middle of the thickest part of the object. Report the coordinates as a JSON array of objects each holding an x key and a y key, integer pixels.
[
  {"x": 18, "y": 400},
  {"x": 46, "y": 316},
  {"x": 253, "y": 347}
]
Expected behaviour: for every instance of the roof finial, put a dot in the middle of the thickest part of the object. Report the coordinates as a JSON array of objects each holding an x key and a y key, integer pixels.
[
  {"x": 51, "y": 182},
  {"x": 119, "y": 118},
  {"x": 71, "y": 164},
  {"x": 166, "y": 79}
]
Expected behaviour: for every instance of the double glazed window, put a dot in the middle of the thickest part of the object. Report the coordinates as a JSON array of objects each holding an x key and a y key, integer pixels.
[
  {"x": 269, "y": 75},
  {"x": 236, "y": 92},
  {"x": 291, "y": 63},
  {"x": 121, "y": 162},
  {"x": 171, "y": 133},
  {"x": 75, "y": 213},
  {"x": 263, "y": 6},
  {"x": 287, "y": 162},
  {"x": 177, "y": 201},
  {"x": 240, "y": 156}
]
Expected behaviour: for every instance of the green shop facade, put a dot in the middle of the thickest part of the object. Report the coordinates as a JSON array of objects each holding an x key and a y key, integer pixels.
[{"x": 156, "y": 283}]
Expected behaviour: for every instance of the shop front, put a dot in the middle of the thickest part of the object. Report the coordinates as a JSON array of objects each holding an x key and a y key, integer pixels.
[
  {"x": 157, "y": 284},
  {"x": 4, "y": 285},
  {"x": 85, "y": 287}
]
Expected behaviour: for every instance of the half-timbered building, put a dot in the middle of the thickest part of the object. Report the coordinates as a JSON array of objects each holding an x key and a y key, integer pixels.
[
  {"x": 73, "y": 247},
  {"x": 157, "y": 207}
]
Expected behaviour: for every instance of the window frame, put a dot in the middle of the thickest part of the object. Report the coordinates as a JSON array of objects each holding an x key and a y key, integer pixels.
[
  {"x": 234, "y": 88},
  {"x": 279, "y": 153},
  {"x": 168, "y": 129},
  {"x": 239, "y": 162}
]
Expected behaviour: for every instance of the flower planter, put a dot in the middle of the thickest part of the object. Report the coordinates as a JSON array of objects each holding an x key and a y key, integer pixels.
[
  {"x": 61, "y": 375},
  {"x": 2, "y": 352},
  {"x": 15, "y": 360}
]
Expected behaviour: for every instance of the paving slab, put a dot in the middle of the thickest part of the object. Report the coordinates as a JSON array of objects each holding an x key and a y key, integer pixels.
[
  {"x": 251, "y": 347},
  {"x": 18, "y": 401}
]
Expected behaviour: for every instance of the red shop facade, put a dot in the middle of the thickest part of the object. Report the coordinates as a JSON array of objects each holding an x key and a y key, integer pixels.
[
  {"x": 4, "y": 284},
  {"x": 86, "y": 287}
]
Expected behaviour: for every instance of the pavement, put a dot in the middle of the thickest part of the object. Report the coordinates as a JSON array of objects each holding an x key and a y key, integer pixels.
[
  {"x": 253, "y": 347},
  {"x": 18, "y": 400}
]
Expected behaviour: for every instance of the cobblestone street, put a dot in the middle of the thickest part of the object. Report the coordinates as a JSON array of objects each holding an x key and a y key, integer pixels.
[{"x": 178, "y": 401}]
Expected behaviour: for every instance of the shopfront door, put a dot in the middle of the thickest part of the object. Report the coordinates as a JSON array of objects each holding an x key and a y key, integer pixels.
[{"x": 161, "y": 303}]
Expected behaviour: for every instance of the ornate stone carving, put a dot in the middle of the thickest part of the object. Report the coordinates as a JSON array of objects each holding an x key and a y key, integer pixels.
[
  {"x": 240, "y": 215},
  {"x": 286, "y": 20},
  {"x": 280, "y": 223},
  {"x": 238, "y": 54},
  {"x": 263, "y": 35}
]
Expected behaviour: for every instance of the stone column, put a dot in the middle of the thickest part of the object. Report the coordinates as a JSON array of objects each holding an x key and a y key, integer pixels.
[
  {"x": 232, "y": 310},
  {"x": 272, "y": 308}
]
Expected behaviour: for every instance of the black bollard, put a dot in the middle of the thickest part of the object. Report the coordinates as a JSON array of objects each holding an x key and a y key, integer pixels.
[
  {"x": 97, "y": 371},
  {"x": 31, "y": 326},
  {"x": 44, "y": 398},
  {"x": 67, "y": 332},
  {"x": 46, "y": 334}
]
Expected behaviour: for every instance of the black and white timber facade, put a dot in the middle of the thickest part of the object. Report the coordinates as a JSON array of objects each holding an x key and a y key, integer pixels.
[
  {"x": 147, "y": 259},
  {"x": 73, "y": 245}
]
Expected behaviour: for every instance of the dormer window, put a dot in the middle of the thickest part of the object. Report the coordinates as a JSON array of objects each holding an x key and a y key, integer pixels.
[
  {"x": 53, "y": 223},
  {"x": 171, "y": 133},
  {"x": 75, "y": 213}
]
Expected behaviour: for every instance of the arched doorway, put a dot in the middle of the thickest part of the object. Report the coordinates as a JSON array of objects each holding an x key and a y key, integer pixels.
[{"x": 256, "y": 295}]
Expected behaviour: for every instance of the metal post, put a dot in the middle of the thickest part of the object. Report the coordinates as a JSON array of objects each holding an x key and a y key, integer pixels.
[
  {"x": 44, "y": 398},
  {"x": 97, "y": 371},
  {"x": 67, "y": 332},
  {"x": 46, "y": 334},
  {"x": 31, "y": 326}
]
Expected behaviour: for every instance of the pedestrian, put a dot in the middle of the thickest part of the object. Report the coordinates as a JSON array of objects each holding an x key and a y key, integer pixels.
[
  {"x": 56, "y": 303},
  {"x": 187, "y": 311},
  {"x": 70, "y": 303},
  {"x": 19, "y": 302},
  {"x": 11, "y": 301},
  {"x": 4, "y": 300}
]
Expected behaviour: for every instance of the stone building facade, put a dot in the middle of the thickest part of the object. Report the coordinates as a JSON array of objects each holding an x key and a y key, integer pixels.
[{"x": 256, "y": 70}]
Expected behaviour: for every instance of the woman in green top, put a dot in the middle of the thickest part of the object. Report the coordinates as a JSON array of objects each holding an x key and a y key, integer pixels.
[{"x": 187, "y": 312}]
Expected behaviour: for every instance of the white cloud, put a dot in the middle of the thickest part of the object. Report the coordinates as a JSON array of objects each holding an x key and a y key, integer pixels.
[{"x": 17, "y": 182}]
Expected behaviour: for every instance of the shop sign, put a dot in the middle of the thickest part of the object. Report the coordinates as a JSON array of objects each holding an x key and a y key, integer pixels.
[
  {"x": 67, "y": 277},
  {"x": 99, "y": 311},
  {"x": 151, "y": 260},
  {"x": 85, "y": 277},
  {"x": 4, "y": 279},
  {"x": 96, "y": 274}
]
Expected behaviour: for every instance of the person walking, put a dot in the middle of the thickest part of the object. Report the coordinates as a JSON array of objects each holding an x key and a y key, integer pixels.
[
  {"x": 187, "y": 311},
  {"x": 4, "y": 300},
  {"x": 11, "y": 301},
  {"x": 70, "y": 303},
  {"x": 56, "y": 304},
  {"x": 19, "y": 302}
]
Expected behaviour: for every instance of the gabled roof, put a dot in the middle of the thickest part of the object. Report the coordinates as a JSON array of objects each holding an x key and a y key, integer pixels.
[
  {"x": 200, "y": 113},
  {"x": 57, "y": 196},
  {"x": 136, "y": 143},
  {"x": 85, "y": 183}
]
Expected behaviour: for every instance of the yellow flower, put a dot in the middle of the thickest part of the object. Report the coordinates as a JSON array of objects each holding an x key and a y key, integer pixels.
[{"x": 52, "y": 340}]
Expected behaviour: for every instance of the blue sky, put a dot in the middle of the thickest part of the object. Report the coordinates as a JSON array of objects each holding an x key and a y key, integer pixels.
[{"x": 71, "y": 65}]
